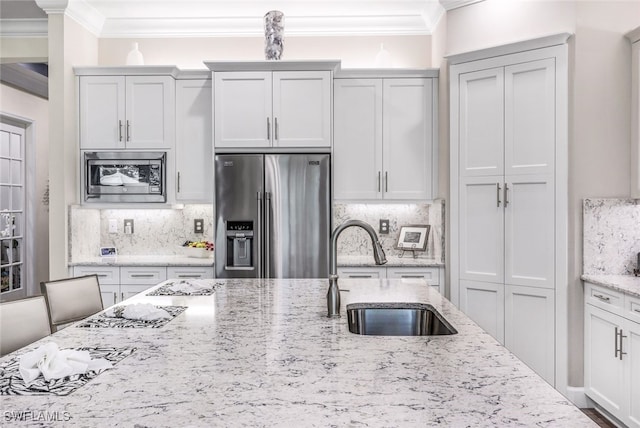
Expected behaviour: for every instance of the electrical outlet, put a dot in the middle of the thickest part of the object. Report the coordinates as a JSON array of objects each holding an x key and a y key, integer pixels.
[
  {"x": 113, "y": 225},
  {"x": 198, "y": 225},
  {"x": 384, "y": 227},
  {"x": 128, "y": 226}
]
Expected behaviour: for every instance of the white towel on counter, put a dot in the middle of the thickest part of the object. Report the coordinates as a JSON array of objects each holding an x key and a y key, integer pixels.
[
  {"x": 191, "y": 286},
  {"x": 54, "y": 363},
  {"x": 138, "y": 311}
]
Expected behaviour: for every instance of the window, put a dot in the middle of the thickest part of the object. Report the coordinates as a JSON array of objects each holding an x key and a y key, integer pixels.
[{"x": 12, "y": 213}]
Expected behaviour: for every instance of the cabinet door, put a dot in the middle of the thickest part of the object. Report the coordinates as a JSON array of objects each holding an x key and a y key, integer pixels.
[
  {"x": 529, "y": 327},
  {"x": 603, "y": 370},
  {"x": 150, "y": 112},
  {"x": 302, "y": 109},
  {"x": 194, "y": 148},
  {"x": 529, "y": 202},
  {"x": 129, "y": 290},
  {"x": 483, "y": 302},
  {"x": 357, "y": 149},
  {"x": 110, "y": 295},
  {"x": 529, "y": 145},
  {"x": 407, "y": 150},
  {"x": 189, "y": 272},
  {"x": 481, "y": 122},
  {"x": 430, "y": 274},
  {"x": 102, "y": 112},
  {"x": 631, "y": 345},
  {"x": 362, "y": 272},
  {"x": 481, "y": 239},
  {"x": 242, "y": 109}
]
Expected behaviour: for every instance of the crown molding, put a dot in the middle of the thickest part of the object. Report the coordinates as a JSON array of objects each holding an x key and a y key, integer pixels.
[
  {"x": 455, "y": 4},
  {"x": 24, "y": 27},
  {"x": 53, "y": 6},
  {"x": 86, "y": 15}
]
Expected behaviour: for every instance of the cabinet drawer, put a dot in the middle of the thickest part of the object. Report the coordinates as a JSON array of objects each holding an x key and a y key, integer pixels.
[
  {"x": 142, "y": 275},
  {"x": 604, "y": 298},
  {"x": 362, "y": 272},
  {"x": 632, "y": 308},
  {"x": 106, "y": 275},
  {"x": 431, "y": 275},
  {"x": 189, "y": 272}
]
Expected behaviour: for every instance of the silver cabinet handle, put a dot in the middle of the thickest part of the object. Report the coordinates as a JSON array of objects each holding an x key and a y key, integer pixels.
[
  {"x": 506, "y": 194},
  {"x": 636, "y": 310},
  {"x": 360, "y": 276},
  {"x": 189, "y": 275},
  {"x": 258, "y": 249},
  {"x": 275, "y": 124},
  {"x": 115, "y": 297},
  {"x": 122, "y": 296},
  {"x": 386, "y": 181},
  {"x": 142, "y": 275},
  {"x": 601, "y": 297},
  {"x": 379, "y": 181},
  {"x": 411, "y": 276},
  {"x": 128, "y": 131},
  {"x": 267, "y": 234},
  {"x": 268, "y": 130},
  {"x": 178, "y": 181},
  {"x": 120, "y": 130},
  {"x": 101, "y": 275},
  {"x": 619, "y": 353},
  {"x": 498, "y": 194}
]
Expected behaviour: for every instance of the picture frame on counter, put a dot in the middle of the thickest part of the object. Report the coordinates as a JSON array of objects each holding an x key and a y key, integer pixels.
[{"x": 413, "y": 237}]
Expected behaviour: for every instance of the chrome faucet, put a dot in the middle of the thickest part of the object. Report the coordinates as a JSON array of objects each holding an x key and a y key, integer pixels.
[{"x": 333, "y": 294}]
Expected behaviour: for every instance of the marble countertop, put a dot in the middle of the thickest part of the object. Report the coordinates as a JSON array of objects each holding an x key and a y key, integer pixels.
[
  {"x": 625, "y": 283},
  {"x": 156, "y": 260},
  {"x": 392, "y": 261},
  {"x": 263, "y": 353}
]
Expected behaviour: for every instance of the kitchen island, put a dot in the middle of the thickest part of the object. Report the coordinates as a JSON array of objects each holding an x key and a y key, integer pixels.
[{"x": 263, "y": 353}]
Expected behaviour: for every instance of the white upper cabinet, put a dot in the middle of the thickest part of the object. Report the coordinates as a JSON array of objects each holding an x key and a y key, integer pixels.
[
  {"x": 384, "y": 146},
  {"x": 194, "y": 147},
  {"x": 272, "y": 109},
  {"x": 127, "y": 112}
]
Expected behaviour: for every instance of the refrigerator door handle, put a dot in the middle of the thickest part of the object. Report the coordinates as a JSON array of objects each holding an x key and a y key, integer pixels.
[
  {"x": 267, "y": 234},
  {"x": 260, "y": 227}
]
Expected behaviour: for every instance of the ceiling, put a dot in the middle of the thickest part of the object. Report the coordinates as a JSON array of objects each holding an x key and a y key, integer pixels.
[{"x": 206, "y": 18}]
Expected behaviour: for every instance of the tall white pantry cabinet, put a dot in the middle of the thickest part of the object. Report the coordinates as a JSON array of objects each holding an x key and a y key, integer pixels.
[{"x": 508, "y": 194}]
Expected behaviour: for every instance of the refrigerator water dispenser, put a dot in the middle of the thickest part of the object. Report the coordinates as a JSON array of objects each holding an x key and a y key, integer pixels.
[{"x": 239, "y": 244}]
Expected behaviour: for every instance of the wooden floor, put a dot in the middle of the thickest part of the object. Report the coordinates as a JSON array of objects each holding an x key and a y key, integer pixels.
[{"x": 598, "y": 418}]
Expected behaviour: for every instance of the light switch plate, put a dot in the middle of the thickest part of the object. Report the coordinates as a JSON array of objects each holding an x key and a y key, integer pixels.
[
  {"x": 198, "y": 225},
  {"x": 384, "y": 227},
  {"x": 113, "y": 225}
]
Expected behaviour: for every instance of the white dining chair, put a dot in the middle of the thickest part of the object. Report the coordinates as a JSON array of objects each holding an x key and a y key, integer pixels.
[
  {"x": 71, "y": 299},
  {"x": 22, "y": 322}
]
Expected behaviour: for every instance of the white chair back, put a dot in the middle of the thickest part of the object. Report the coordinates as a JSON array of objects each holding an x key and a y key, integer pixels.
[
  {"x": 72, "y": 299},
  {"x": 22, "y": 322}
]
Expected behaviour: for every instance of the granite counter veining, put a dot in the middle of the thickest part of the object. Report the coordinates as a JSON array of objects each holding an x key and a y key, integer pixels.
[
  {"x": 263, "y": 353},
  {"x": 624, "y": 283},
  {"x": 143, "y": 261}
]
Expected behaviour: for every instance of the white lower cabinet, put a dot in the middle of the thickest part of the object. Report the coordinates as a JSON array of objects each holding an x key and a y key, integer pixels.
[
  {"x": 433, "y": 275},
  {"x": 612, "y": 352},
  {"x": 483, "y": 302},
  {"x": 118, "y": 283}
]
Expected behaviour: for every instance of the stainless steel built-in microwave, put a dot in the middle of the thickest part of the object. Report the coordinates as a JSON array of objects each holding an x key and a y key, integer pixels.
[{"x": 124, "y": 176}]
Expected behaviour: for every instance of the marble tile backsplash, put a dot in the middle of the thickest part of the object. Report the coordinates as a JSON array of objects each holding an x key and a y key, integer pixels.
[
  {"x": 156, "y": 231},
  {"x": 355, "y": 241},
  {"x": 162, "y": 231},
  {"x": 611, "y": 236}
]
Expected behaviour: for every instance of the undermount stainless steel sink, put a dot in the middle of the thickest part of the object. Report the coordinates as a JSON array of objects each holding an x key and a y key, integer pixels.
[{"x": 397, "y": 319}]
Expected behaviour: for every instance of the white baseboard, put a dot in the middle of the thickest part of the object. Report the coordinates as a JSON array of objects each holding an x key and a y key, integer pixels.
[{"x": 577, "y": 396}]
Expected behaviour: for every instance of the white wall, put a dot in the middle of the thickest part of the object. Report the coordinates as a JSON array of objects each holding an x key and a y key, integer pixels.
[
  {"x": 189, "y": 53},
  {"x": 599, "y": 105},
  {"x": 17, "y": 103},
  {"x": 69, "y": 45}
]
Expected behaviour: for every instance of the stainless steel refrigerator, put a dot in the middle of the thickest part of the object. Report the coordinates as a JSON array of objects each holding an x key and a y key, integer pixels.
[{"x": 273, "y": 215}]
